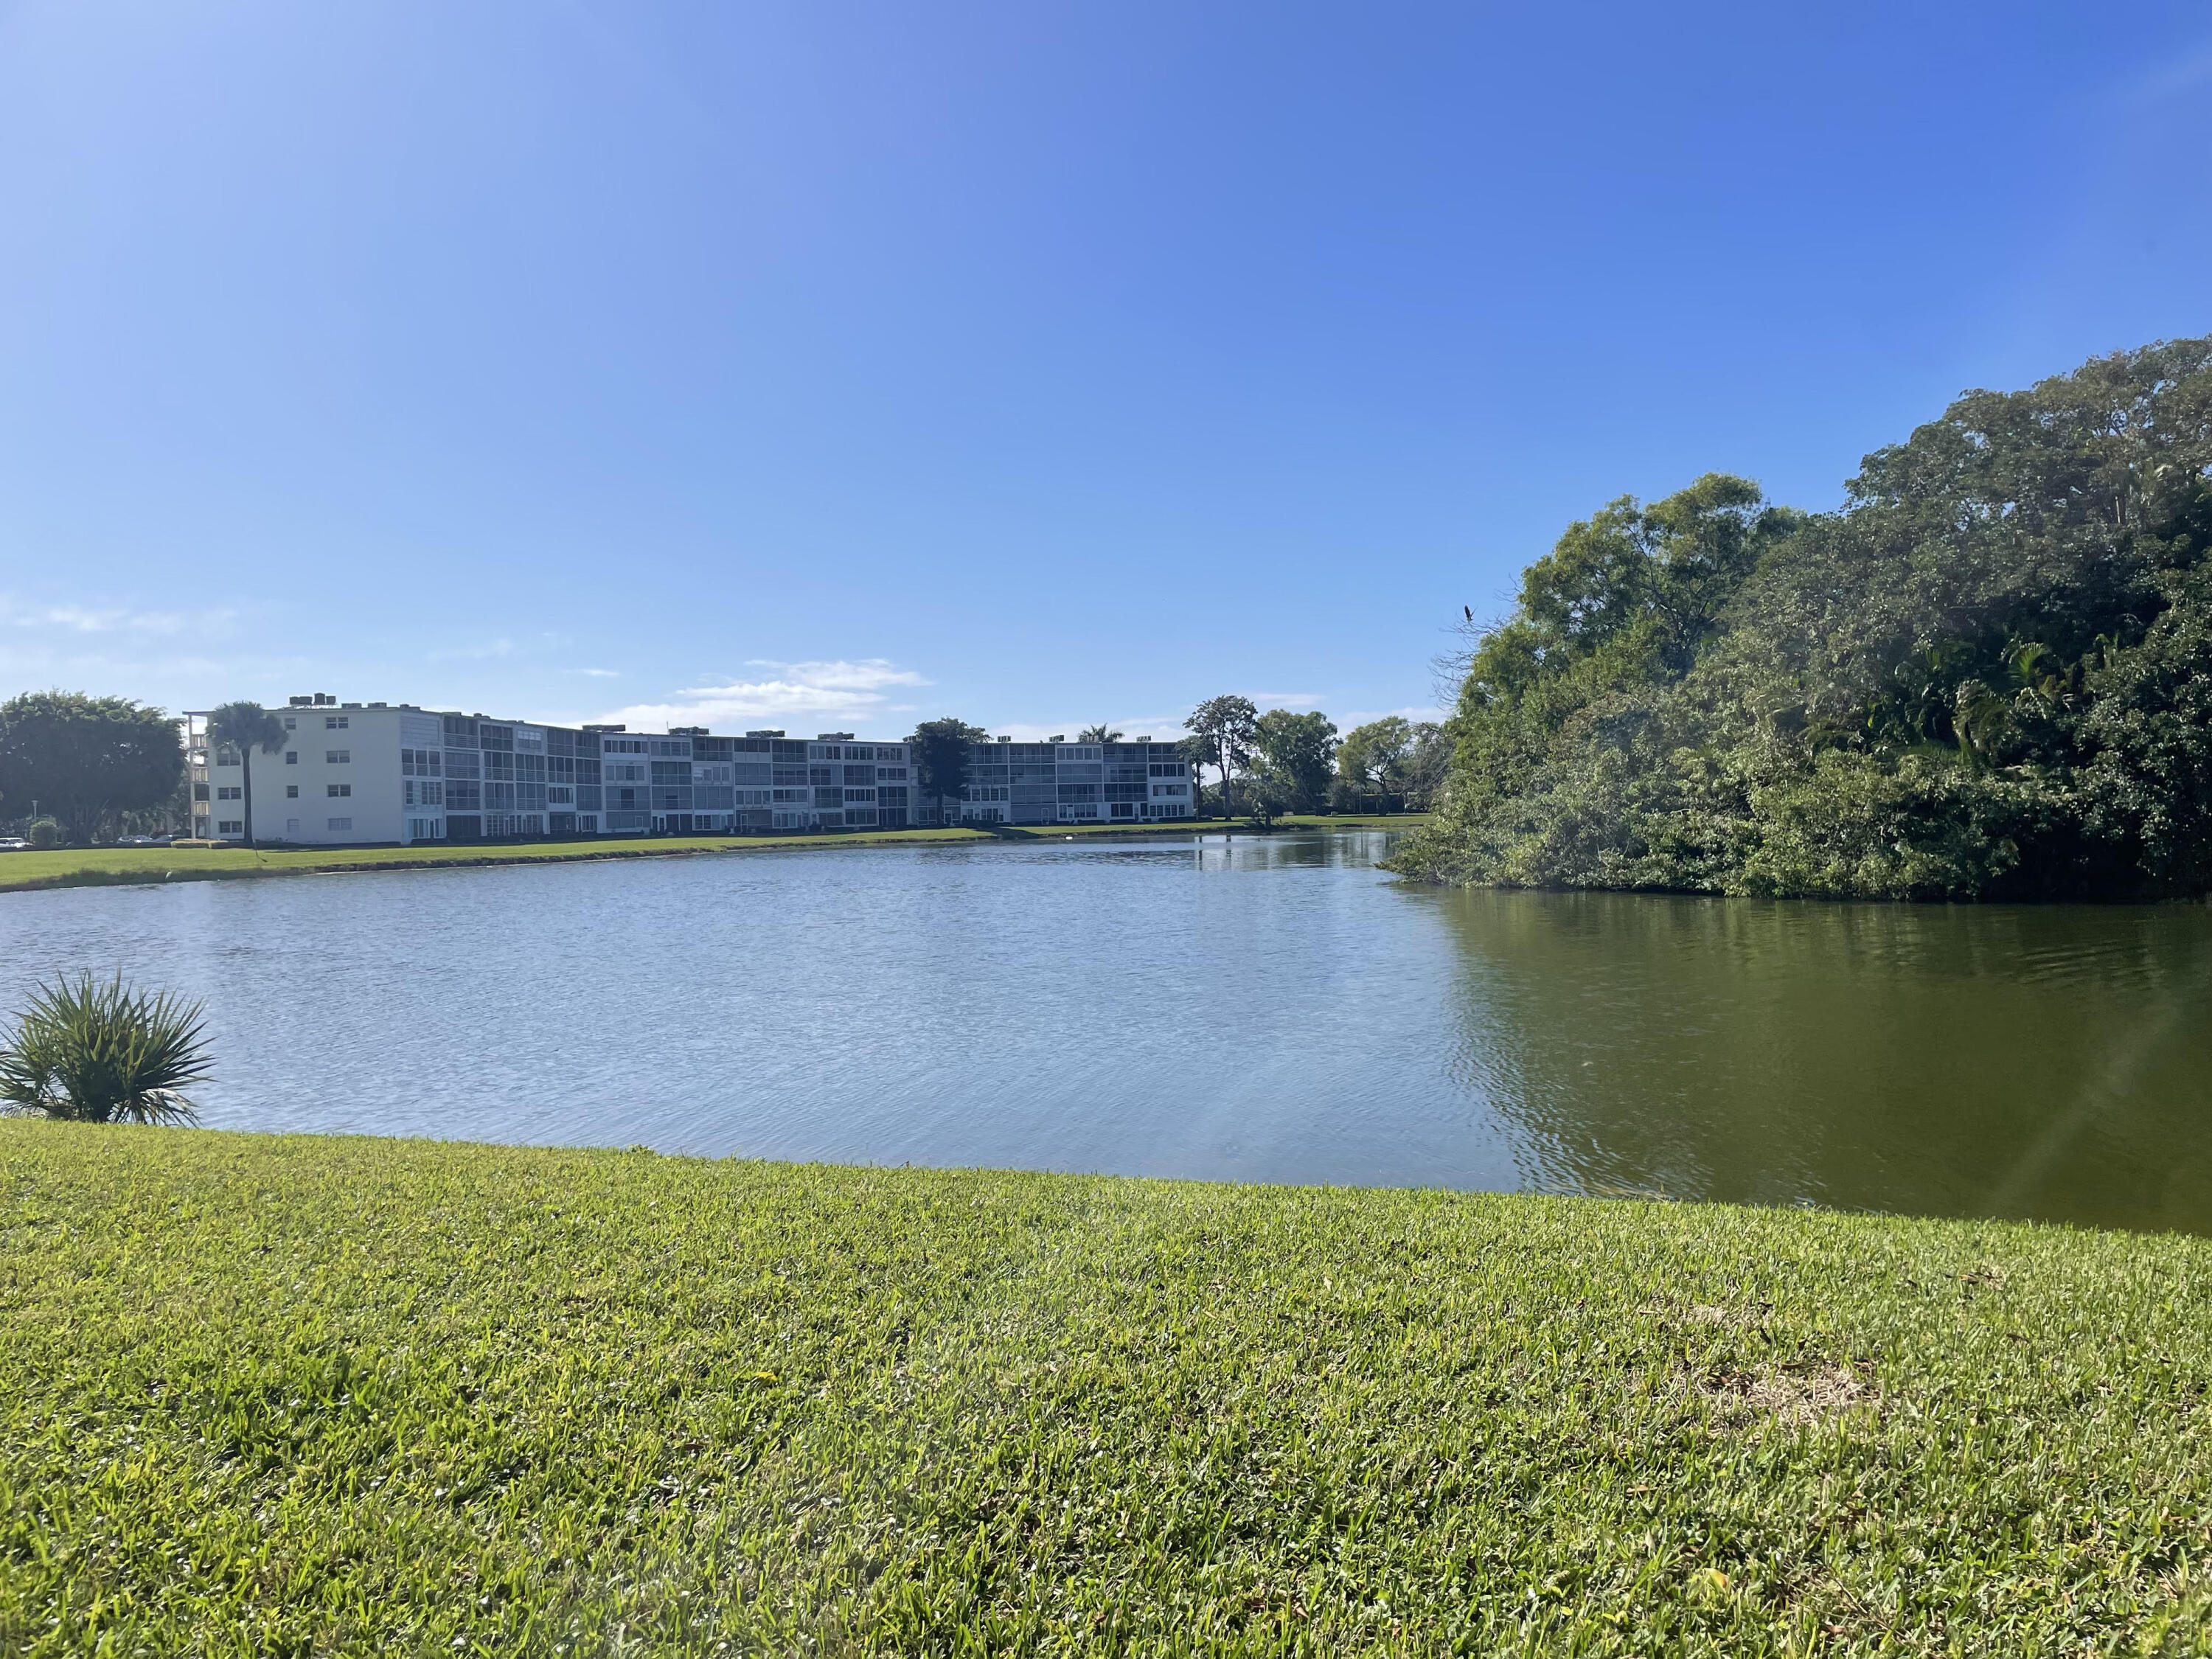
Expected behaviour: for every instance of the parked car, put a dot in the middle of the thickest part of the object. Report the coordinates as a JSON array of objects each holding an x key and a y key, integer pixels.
[{"x": 14, "y": 844}]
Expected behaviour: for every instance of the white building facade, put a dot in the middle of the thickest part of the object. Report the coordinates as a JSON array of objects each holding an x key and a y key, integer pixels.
[
  {"x": 352, "y": 774},
  {"x": 1060, "y": 782}
]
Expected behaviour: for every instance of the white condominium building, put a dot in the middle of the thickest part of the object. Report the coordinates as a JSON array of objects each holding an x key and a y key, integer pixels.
[{"x": 353, "y": 772}]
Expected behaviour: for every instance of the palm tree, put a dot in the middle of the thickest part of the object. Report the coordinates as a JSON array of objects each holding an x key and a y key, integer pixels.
[
  {"x": 245, "y": 726},
  {"x": 100, "y": 1053},
  {"x": 1099, "y": 733}
]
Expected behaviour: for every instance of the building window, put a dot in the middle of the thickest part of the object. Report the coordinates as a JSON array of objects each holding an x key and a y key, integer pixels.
[
  {"x": 341, "y": 823},
  {"x": 291, "y": 725},
  {"x": 291, "y": 792},
  {"x": 339, "y": 789},
  {"x": 228, "y": 791},
  {"x": 231, "y": 827},
  {"x": 291, "y": 757},
  {"x": 338, "y": 757},
  {"x": 335, "y": 723}
]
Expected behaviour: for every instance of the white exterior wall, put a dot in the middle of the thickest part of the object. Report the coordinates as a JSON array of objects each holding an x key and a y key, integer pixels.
[
  {"x": 352, "y": 750},
  {"x": 392, "y": 797},
  {"x": 292, "y": 798}
]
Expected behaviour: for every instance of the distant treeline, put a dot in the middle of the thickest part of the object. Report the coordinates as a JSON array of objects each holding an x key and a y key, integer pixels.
[{"x": 1987, "y": 676}]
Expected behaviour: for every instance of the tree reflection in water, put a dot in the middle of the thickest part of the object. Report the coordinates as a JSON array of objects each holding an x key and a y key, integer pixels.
[{"x": 2052, "y": 1062}]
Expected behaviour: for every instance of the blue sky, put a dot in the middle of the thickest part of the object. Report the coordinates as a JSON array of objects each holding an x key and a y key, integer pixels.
[{"x": 824, "y": 365}]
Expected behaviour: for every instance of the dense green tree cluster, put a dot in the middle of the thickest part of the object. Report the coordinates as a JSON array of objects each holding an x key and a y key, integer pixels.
[
  {"x": 1989, "y": 675},
  {"x": 85, "y": 762},
  {"x": 1390, "y": 764}
]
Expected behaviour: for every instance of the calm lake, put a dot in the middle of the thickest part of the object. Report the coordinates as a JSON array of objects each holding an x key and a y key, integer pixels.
[{"x": 1253, "y": 1009}]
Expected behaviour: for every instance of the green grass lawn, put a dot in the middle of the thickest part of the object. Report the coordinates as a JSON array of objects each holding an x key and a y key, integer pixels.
[
  {"x": 101, "y": 866},
  {"x": 301, "y": 1395}
]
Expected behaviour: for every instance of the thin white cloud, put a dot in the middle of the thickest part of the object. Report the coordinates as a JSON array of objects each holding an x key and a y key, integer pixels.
[
  {"x": 597, "y": 673},
  {"x": 111, "y": 648},
  {"x": 76, "y": 620},
  {"x": 870, "y": 674},
  {"x": 482, "y": 651},
  {"x": 838, "y": 693},
  {"x": 2179, "y": 76}
]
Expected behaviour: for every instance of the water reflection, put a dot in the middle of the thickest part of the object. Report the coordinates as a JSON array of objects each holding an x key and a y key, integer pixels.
[{"x": 2051, "y": 1062}]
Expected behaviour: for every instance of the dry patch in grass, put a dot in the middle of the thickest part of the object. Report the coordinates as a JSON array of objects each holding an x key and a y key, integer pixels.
[{"x": 1795, "y": 1398}]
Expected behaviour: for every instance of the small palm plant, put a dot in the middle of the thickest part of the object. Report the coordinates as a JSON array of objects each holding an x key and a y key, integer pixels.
[{"x": 97, "y": 1051}]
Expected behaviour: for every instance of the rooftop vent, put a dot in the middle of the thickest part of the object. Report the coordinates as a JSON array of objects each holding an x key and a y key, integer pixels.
[
  {"x": 687, "y": 731},
  {"x": 1057, "y": 737},
  {"x": 1005, "y": 739},
  {"x": 777, "y": 732},
  {"x": 606, "y": 728},
  {"x": 833, "y": 737}
]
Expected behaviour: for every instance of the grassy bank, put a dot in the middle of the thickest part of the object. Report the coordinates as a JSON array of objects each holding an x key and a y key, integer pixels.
[
  {"x": 283, "y": 1396},
  {"x": 106, "y": 867}
]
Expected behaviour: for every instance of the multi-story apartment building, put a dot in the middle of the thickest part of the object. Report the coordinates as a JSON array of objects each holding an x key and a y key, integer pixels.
[
  {"x": 1060, "y": 782},
  {"x": 353, "y": 772}
]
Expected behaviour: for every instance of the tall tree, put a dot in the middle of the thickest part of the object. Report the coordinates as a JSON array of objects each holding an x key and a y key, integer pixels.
[
  {"x": 246, "y": 726},
  {"x": 1370, "y": 761},
  {"x": 1426, "y": 766},
  {"x": 86, "y": 760},
  {"x": 941, "y": 758},
  {"x": 1298, "y": 751},
  {"x": 1227, "y": 728},
  {"x": 1099, "y": 733}
]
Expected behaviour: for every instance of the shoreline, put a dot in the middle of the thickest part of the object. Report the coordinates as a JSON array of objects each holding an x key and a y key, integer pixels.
[{"x": 154, "y": 867}]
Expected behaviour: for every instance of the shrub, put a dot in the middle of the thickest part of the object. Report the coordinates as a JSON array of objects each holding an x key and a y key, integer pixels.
[
  {"x": 100, "y": 1052},
  {"x": 43, "y": 832}
]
